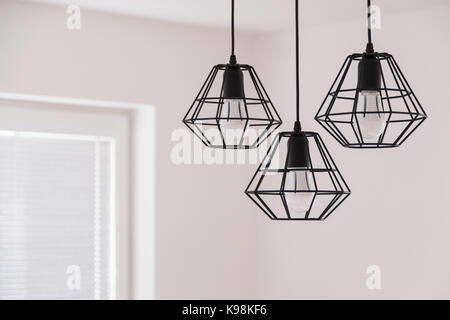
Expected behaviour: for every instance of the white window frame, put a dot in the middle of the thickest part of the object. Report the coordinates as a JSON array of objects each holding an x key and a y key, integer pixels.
[{"x": 135, "y": 220}]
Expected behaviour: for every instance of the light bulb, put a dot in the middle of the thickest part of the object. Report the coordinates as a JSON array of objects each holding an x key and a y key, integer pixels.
[
  {"x": 298, "y": 202},
  {"x": 231, "y": 115},
  {"x": 371, "y": 124}
]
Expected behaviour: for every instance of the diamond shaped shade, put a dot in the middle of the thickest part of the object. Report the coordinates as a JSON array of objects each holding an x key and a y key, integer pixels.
[
  {"x": 298, "y": 179},
  {"x": 382, "y": 117},
  {"x": 232, "y": 109}
]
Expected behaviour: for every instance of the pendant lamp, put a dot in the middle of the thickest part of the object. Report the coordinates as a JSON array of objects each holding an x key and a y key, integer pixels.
[
  {"x": 382, "y": 111},
  {"x": 232, "y": 109},
  {"x": 298, "y": 179}
]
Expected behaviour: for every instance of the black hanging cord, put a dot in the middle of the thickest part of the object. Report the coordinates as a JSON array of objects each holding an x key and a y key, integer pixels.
[
  {"x": 369, "y": 48},
  {"x": 369, "y": 22},
  {"x": 297, "y": 64},
  {"x": 233, "y": 57}
]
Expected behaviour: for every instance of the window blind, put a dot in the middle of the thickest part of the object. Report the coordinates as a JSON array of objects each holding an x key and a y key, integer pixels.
[{"x": 56, "y": 216}]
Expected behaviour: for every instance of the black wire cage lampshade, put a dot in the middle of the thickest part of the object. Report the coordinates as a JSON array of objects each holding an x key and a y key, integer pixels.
[
  {"x": 232, "y": 109},
  {"x": 382, "y": 111},
  {"x": 298, "y": 179}
]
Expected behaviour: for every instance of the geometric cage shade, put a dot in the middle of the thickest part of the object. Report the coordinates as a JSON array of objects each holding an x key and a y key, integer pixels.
[
  {"x": 298, "y": 179},
  {"x": 383, "y": 117},
  {"x": 232, "y": 109}
]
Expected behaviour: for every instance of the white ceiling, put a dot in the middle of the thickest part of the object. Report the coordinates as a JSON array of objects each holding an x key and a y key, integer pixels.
[{"x": 251, "y": 15}]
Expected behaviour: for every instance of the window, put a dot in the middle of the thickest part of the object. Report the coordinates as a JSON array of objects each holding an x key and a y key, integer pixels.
[
  {"x": 55, "y": 216},
  {"x": 63, "y": 202}
]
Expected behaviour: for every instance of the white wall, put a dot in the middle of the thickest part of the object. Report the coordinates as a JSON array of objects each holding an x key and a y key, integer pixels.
[
  {"x": 397, "y": 216},
  {"x": 211, "y": 241}
]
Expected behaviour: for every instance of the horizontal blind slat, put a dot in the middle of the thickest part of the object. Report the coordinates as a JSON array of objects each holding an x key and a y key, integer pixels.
[{"x": 54, "y": 213}]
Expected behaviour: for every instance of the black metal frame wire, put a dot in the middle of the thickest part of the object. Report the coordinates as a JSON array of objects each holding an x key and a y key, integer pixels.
[
  {"x": 331, "y": 196},
  {"x": 410, "y": 113},
  {"x": 268, "y": 118}
]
